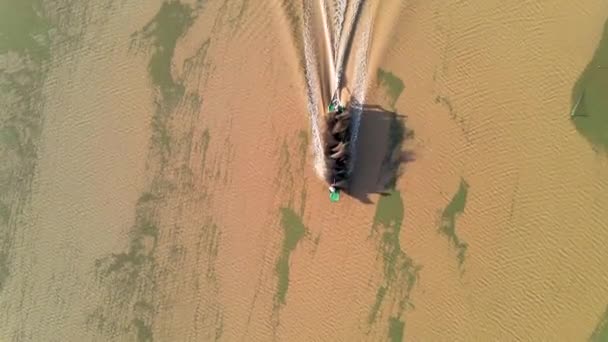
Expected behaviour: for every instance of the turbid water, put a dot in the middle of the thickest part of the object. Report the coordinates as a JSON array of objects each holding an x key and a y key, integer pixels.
[{"x": 160, "y": 171}]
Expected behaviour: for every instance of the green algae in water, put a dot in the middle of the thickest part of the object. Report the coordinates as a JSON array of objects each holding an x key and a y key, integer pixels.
[
  {"x": 448, "y": 219},
  {"x": 23, "y": 29},
  {"x": 400, "y": 272},
  {"x": 209, "y": 242},
  {"x": 24, "y": 34},
  {"x": 284, "y": 159},
  {"x": 9, "y": 137},
  {"x": 131, "y": 267},
  {"x": 393, "y": 85},
  {"x": 206, "y": 137},
  {"x": 144, "y": 332},
  {"x": 590, "y": 97},
  {"x": 163, "y": 32},
  {"x": 4, "y": 213},
  {"x": 380, "y": 293},
  {"x": 4, "y": 268},
  {"x": 293, "y": 230},
  {"x": 600, "y": 333},
  {"x": 395, "y": 329},
  {"x": 143, "y": 307},
  {"x": 302, "y": 147},
  {"x": 132, "y": 275},
  {"x": 148, "y": 229},
  {"x": 170, "y": 23},
  {"x": 285, "y": 179},
  {"x": 146, "y": 197},
  {"x": 389, "y": 211},
  {"x": 387, "y": 222}
]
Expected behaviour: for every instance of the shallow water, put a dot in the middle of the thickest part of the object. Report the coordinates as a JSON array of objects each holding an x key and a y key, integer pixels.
[{"x": 158, "y": 174}]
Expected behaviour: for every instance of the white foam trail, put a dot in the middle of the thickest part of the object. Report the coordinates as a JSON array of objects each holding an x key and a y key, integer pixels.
[
  {"x": 338, "y": 25},
  {"x": 336, "y": 54},
  {"x": 360, "y": 90},
  {"x": 312, "y": 85},
  {"x": 330, "y": 50},
  {"x": 346, "y": 38}
]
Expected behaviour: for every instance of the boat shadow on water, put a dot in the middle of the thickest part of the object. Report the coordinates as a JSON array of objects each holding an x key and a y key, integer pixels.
[{"x": 380, "y": 153}]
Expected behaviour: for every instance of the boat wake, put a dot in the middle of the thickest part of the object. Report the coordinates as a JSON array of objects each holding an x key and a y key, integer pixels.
[
  {"x": 328, "y": 31},
  {"x": 313, "y": 91},
  {"x": 359, "y": 92}
]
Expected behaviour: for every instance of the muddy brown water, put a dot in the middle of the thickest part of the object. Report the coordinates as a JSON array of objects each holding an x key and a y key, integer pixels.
[{"x": 157, "y": 180}]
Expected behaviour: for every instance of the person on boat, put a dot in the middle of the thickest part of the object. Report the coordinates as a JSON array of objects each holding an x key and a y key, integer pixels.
[
  {"x": 339, "y": 127},
  {"x": 343, "y": 115},
  {"x": 337, "y": 186},
  {"x": 339, "y": 151},
  {"x": 335, "y": 107},
  {"x": 339, "y": 146},
  {"x": 335, "y": 110}
]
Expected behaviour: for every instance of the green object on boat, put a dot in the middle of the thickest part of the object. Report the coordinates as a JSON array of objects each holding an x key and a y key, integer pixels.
[
  {"x": 334, "y": 196},
  {"x": 331, "y": 107}
]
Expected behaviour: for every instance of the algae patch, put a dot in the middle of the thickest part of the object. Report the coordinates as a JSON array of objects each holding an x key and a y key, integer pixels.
[
  {"x": 380, "y": 293},
  {"x": 4, "y": 214},
  {"x": 206, "y": 137},
  {"x": 447, "y": 225},
  {"x": 399, "y": 270},
  {"x": 164, "y": 30},
  {"x": 128, "y": 267},
  {"x": 25, "y": 53},
  {"x": 285, "y": 179},
  {"x": 293, "y": 231},
  {"x": 146, "y": 197},
  {"x": 133, "y": 275},
  {"x": 290, "y": 184},
  {"x": 303, "y": 148},
  {"x": 23, "y": 29},
  {"x": 395, "y": 329},
  {"x": 209, "y": 242},
  {"x": 392, "y": 84},
  {"x": 162, "y": 34},
  {"x": 4, "y": 268},
  {"x": 387, "y": 223},
  {"x": 144, "y": 333},
  {"x": 589, "y": 101},
  {"x": 600, "y": 333}
]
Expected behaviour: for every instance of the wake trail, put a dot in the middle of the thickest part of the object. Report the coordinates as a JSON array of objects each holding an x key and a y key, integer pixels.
[
  {"x": 345, "y": 44},
  {"x": 360, "y": 89},
  {"x": 338, "y": 25},
  {"x": 329, "y": 48},
  {"x": 326, "y": 49},
  {"x": 312, "y": 89}
]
